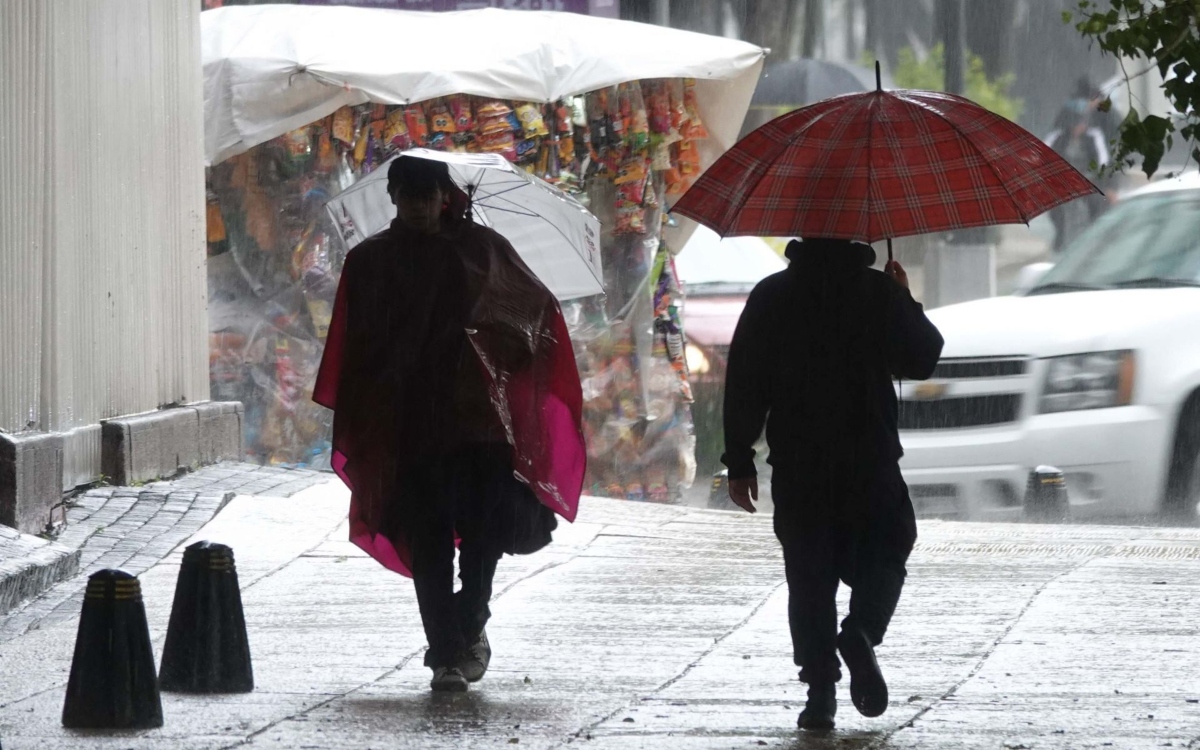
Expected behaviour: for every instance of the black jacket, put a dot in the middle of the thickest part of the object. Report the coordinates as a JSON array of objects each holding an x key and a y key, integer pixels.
[{"x": 813, "y": 357}]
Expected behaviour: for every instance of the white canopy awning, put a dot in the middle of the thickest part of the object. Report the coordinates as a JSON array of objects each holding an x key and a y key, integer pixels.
[{"x": 269, "y": 69}]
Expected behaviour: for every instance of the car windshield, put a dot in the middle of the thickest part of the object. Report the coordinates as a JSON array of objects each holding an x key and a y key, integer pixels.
[{"x": 1153, "y": 240}]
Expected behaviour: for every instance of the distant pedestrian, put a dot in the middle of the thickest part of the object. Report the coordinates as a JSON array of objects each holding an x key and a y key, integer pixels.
[
  {"x": 444, "y": 354},
  {"x": 1081, "y": 137},
  {"x": 813, "y": 359}
]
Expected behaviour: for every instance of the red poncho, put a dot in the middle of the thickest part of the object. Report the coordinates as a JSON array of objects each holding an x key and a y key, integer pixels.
[{"x": 411, "y": 312}]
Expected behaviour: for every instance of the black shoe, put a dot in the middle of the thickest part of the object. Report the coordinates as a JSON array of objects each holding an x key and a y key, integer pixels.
[
  {"x": 475, "y": 660},
  {"x": 820, "y": 709},
  {"x": 868, "y": 690},
  {"x": 448, "y": 680}
]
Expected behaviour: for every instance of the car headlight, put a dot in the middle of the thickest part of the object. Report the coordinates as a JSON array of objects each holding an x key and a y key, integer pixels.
[
  {"x": 697, "y": 361},
  {"x": 1088, "y": 381}
]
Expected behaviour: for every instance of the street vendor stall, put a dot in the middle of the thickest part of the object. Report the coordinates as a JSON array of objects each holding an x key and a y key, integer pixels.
[{"x": 303, "y": 102}]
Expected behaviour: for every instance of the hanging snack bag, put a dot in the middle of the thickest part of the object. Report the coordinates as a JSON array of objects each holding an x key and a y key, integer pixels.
[
  {"x": 631, "y": 219},
  {"x": 564, "y": 117},
  {"x": 298, "y": 144},
  {"x": 418, "y": 126},
  {"x": 658, "y": 106},
  {"x": 343, "y": 126},
  {"x": 688, "y": 158},
  {"x": 618, "y": 118},
  {"x": 441, "y": 120},
  {"x": 695, "y": 126},
  {"x": 678, "y": 109},
  {"x": 639, "y": 122},
  {"x": 460, "y": 110},
  {"x": 326, "y": 157},
  {"x": 395, "y": 133},
  {"x": 533, "y": 123}
]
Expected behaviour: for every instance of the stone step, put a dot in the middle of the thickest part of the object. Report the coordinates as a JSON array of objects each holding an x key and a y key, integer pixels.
[{"x": 29, "y": 565}]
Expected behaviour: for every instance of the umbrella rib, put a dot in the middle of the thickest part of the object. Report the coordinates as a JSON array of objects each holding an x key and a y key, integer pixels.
[{"x": 788, "y": 143}]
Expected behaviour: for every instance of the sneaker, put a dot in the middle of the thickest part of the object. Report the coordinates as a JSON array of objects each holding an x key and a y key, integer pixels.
[
  {"x": 868, "y": 690},
  {"x": 448, "y": 680},
  {"x": 474, "y": 662},
  {"x": 820, "y": 709}
]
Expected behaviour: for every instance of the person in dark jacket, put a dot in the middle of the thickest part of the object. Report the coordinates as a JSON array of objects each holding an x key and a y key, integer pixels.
[
  {"x": 813, "y": 357},
  {"x": 443, "y": 351}
]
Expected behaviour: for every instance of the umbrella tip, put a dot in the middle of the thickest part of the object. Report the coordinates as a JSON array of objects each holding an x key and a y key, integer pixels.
[{"x": 878, "y": 77}]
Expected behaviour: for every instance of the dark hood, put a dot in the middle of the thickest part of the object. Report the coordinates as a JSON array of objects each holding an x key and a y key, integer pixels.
[{"x": 829, "y": 253}]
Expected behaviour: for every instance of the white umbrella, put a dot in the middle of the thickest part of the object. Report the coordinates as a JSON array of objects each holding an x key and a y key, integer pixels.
[
  {"x": 709, "y": 259},
  {"x": 552, "y": 232}
]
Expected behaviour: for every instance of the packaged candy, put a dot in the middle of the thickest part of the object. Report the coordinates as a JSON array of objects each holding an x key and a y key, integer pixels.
[
  {"x": 298, "y": 144},
  {"x": 631, "y": 219},
  {"x": 527, "y": 149},
  {"x": 660, "y": 156},
  {"x": 564, "y": 117},
  {"x": 502, "y": 143},
  {"x": 441, "y": 120},
  {"x": 695, "y": 126},
  {"x": 687, "y": 157},
  {"x": 631, "y": 170},
  {"x": 639, "y": 124},
  {"x": 343, "y": 126},
  {"x": 362, "y": 137},
  {"x": 493, "y": 108},
  {"x": 418, "y": 126},
  {"x": 395, "y": 133},
  {"x": 532, "y": 122},
  {"x": 566, "y": 150},
  {"x": 658, "y": 106},
  {"x": 675, "y": 182},
  {"x": 460, "y": 110},
  {"x": 326, "y": 160},
  {"x": 678, "y": 109}
]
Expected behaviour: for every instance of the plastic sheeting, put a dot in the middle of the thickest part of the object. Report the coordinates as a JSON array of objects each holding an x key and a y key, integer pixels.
[{"x": 625, "y": 151}]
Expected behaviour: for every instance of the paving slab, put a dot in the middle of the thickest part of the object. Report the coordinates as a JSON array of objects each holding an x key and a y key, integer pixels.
[{"x": 649, "y": 626}]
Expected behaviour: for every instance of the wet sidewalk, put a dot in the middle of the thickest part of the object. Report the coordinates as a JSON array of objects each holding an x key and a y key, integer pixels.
[{"x": 650, "y": 626}]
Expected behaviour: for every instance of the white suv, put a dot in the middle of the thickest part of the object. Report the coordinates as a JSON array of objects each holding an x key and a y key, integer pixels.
[{"x": 1094, "y": 369}]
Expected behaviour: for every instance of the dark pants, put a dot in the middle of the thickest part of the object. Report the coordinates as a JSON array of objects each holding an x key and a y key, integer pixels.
[
  {"x": 454, "y": 494},
  {"x": 866, "y": 550}
]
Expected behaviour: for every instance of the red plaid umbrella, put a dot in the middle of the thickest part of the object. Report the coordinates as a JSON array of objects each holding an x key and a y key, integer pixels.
[{"x": 878, "y": 165}]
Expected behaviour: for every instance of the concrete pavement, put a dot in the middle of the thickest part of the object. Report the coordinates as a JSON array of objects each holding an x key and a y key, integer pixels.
[{"x": 647, "y": 626}]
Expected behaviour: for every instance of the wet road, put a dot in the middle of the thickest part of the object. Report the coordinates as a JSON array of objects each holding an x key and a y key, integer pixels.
[{"x": 649, "y": 626}]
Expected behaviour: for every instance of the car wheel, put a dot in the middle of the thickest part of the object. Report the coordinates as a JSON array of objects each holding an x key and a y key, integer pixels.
[{"x": 1187, "y": 504}]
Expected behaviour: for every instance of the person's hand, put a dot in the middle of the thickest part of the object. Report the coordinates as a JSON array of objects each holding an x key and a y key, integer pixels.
[
  {"x": 897, "y": 272},
  {"x": 741, "y": 491}
]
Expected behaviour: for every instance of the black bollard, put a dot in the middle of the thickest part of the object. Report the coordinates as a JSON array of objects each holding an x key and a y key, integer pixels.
[
  {"x": 1046, "y": 496},
  {"x": 207, "y": 650},
  {"x": 718, "y": 492},
  {"x": 112, "y": 684}
]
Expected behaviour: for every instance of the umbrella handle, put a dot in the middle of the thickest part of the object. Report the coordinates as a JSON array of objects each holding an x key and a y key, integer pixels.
[
  {"x": 890, "y": 258},
  {"x": 878, "y": 77}
]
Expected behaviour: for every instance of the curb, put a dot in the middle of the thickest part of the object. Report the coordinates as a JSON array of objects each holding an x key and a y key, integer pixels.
[{"x": 29, "y": 565}]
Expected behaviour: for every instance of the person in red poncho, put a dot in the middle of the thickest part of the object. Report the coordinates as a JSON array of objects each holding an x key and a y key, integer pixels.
[{"x": 457, "y": 408}]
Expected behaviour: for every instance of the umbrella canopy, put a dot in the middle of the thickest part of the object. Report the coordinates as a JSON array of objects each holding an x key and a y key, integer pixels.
[
  {"x": 880, "y": 165},
  {"x": 269, "y": 69},
  {"x": 552, "y": 232}
]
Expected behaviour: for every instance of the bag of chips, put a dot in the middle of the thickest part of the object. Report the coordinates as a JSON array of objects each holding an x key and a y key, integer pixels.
[
  {"x": 418, "y": 126},
  {"x": 695, "y": 126},
  {"x": 396, "y": 131},
  {"x": 533, "y": 124}
]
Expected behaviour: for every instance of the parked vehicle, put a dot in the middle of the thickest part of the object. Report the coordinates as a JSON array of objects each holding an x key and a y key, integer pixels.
[
  {"x": 718, "y": 276},
  {"x": 1093, "y": 367}
]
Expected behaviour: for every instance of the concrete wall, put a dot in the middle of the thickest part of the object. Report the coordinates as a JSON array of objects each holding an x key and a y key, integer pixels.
[{"x": 102, "y": 281}]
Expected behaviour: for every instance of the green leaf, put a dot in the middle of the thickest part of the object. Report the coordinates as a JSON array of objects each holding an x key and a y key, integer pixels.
[{"x": 1067, "y": 16}]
